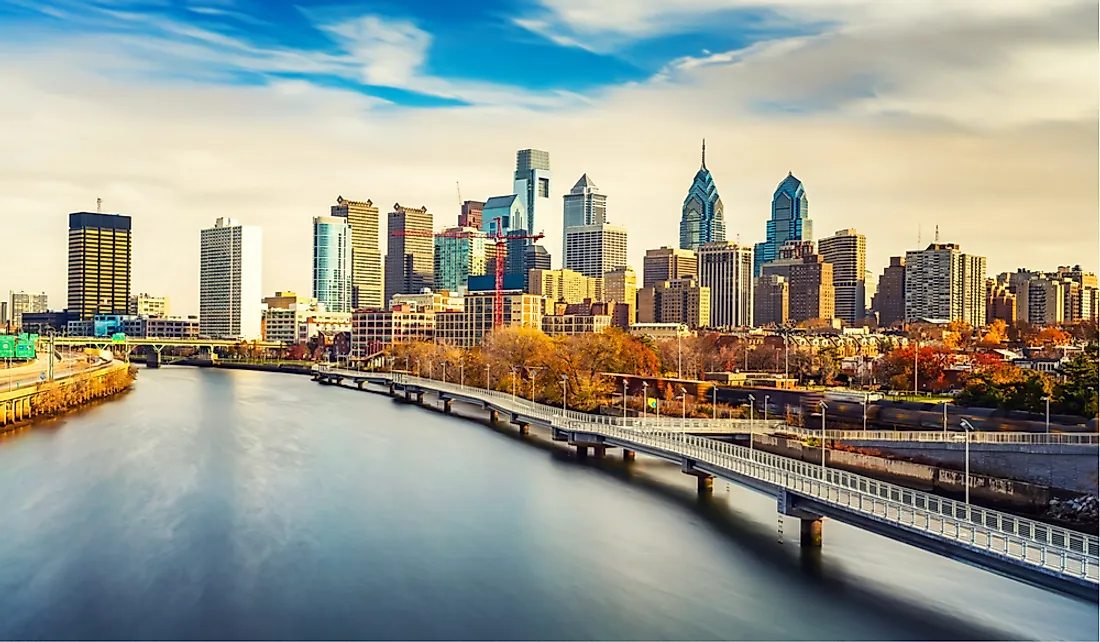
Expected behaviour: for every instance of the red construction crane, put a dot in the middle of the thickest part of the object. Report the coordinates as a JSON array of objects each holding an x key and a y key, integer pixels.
[{"x": 501, "y": 251}]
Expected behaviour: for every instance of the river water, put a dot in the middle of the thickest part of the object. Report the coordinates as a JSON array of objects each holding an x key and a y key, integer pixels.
[{"x": 227, "y": 505}]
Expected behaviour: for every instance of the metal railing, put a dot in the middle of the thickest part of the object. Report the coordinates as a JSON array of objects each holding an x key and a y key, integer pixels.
[
  {"x": 1027, "y": 542},
  {"x": 940, "y": 436}
]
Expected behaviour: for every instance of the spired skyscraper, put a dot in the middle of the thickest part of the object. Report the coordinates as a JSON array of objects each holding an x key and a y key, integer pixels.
[
  {"x": 702, "y": 219},
  {"x": 532, "y": 184},
  {"x": 790, "y": 221}
]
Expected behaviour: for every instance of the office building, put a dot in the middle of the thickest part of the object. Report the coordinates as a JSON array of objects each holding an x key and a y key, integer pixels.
[
  {"x": 332, "y": 263},
  {"x": 573, "y": 324},
  {"x": 583, "y": 205},
  {"x": 594, "y": 250},
  {"x": 811, "y": 292},
  {"x": 1000, "y": 303},
  {"x": 99, "y": 264},
  {"x": 437, "y": 301},
  {"x": 20, "y": 303},
  {"x": 147, "y": 305},
  {"x": 468, "y": 328},
  {"x": 366, "y": 258},
  {"x": 165, "y": 327},
  {"x": 410, "y": 259},
  {"x": 771, "y": 300},
  {"x": 726, "y": 268},
  {"x": 941, "y": 282},
  {"x": 668, "y": 264},
  {"x": 621, "y": 286},
  {"x": 682, "y": 301},
  {"x": 564, "y": 286},
  {"x": 284, "y": 316},
  {"x": 889, "y": 301},
  {"x": 373, "y": 329},
  {"x": 532, "y": 185},
  {"x": 790, "y": 221},
  {"x": 470, "y": 215},
  {"x": 230, "y": 269},
  {"x": 503, "y": 214},
  {"x": 702, "y": 219},
  {"x": 847, "y": 252},
  {"x": 535, "y": 257},
  {"x": 459, "y": 254}
]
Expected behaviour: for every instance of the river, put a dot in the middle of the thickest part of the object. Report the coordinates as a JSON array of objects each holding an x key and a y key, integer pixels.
[{"x": 226, "y": 504}]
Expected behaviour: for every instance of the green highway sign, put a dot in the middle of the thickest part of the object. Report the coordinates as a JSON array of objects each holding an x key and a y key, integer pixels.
[
  {"x": 7, "y": 346},
  {"x": 118, "y": 337}
]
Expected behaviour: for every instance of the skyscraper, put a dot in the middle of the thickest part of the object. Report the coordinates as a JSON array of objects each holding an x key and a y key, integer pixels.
[
  {"x": 23, "y": 302},
  {"x": 810, "y": 281},
  {"x": 771, "y": 300},
  {"x": 790, "y": 221},
  {"x": 702, "y": 218},
  {"x": 941, "y": 282},
  {"x": 847, "y": 251},
  {"x": 726, "y": 268},
  {"x": 459, "y": 254},
  {"x": 531, "y": 184},
  {"x": 332, "y": 283},
  {"x": 583, "y": 205},
  {"x": 621, "y": 285},
  {"x": 503, "y": 214},
  {"x": 471, "y": 214},
  {"x": 889, "y": 301},
  {"x": 410, "y": 257},
  {"x": 366, "y": 258},
  {"x": 99, "y": 264},
  {"x": 668, "y": 264},
  {"x": 593, "y": 250},
  {"x": 230, "y": 291}
]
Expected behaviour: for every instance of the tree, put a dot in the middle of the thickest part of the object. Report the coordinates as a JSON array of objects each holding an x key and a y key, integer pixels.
[
  {"x": 996, "y": 334},
  {"x": 896, "y": 368},
  {"x": 1076, "y": 394},
  {"x": 1054, "y": 337}
]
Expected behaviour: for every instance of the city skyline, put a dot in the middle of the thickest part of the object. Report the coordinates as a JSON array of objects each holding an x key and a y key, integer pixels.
[{"x": 903, "y": 153}]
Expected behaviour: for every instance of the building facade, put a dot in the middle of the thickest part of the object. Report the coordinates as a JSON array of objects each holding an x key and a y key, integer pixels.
[
  {"x": 811, "y": 291},
  {"x": 459, "y": 254},
  {"x": 20, "y": 303},
  {"x": 230, "y": 271},
  {"x": 372, "y": 329},
  {"x": 437, "y": 301},
  {"x": 1000, "y": 302},
  {"x": 682, "y": 301},
  {"x": 532, "y": 185},
  {"x": 621, "y": 286},
  {"x": 942, "y": 282},
  {"x": 726, "y": 268},
  {"x": 565, "y": 286},
  {"x": 410, "y": 257},
  {"x": 702, "y": 219},
  {"x": 470, "y": 214},
  {"x": 366, "y": 258},
  {"x": 166, "y": 327},
  {"x": 771, "y": 300},
  {"x": 847, "y": 252},
  {"x": 790, "y": 221},
  {"x": 572, "y": 324},
  {"x": 332, "y": 284},
  {"x": 583, "y": 205},
  {"x": 668, "y": 264},
  {"x": 468, "y": 328},
  {"x": 147, "y": 305},
  {"x": 594, "y": 250},
  {"x": 889, "y": 301},
  {"x": 284, "y": 317},
  {"x": 99, "y": 264}
]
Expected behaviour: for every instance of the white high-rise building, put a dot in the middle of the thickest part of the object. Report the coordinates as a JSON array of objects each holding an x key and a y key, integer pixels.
[
  {"x": 583, "y": 205},
  {"x": 594, "y": 250},
  {"x": 847, "y": 251},
  {"x": 230, "y": 281},
  {"x": 726, "y": 268},
  {"x": 941, "y": 282}
]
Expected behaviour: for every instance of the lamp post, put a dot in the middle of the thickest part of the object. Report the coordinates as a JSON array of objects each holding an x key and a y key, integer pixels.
[
  {"x": 916, "y": 351},
  {"x": 444, "y": 371},
  {"x": 624, "y": 400},
  {"x": 532, "y": 372},
  {"x": 645, "y": 398},
  {"x": 513, "y": 368},
  {"x": 945, "y": 416},
  {"x": 714, "y": 402},
  {"x": 431, "y": 374},
  {"x": 1047, "y": 399},
  {"x": 462, "y": 375},
  {"x": 684, "y": 404},
  {"x": 824, "y": 406},
  {"x": 966, "y": 439},
  {"x": 406, "y": 363},
  {"x": 486, "y": 376},
  {"x": 752, "y": 403},
  {"x": 679, "y": 358},
  {"x": 865, "y": 399},
  {"x": 766, "y": 409},
  {"x": 564, "y": 391}
]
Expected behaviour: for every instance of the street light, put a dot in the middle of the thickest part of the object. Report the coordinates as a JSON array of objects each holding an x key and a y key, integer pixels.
[
  {"x": 532, "y": 372},
  {"x": 462, "y": 375},
  {"x": 645, "y": 398},
  {"x": 824, "y": 406},
  {"x": 679, "y": 357},
  {"x": 624, "y": 400},
  {"x": 714, "y": 402},
  {"x": 865, "y": 399},
  {"x": 564, "y": 391},
  {"x": 684, "y": 402},
  {"x": 966, "y": 439},
  {"x": 486, "y": 376},
  {"x": 752, "y": 403},
  {"x": 431, "y": 374},
  {"x": 765, "y": 409},
  {"x": 444, "y": 371},
  {"x": 945, "y": 416},
  {"x": 1047, "y": 399},
  {"x": 513, "y": 368},
  {"x": 418, "y": 367}
]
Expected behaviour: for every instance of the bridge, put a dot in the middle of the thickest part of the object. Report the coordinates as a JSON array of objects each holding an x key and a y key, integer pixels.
[
  {"x": 160, "y": 343},
  {"x": 1027, "y": 550}
]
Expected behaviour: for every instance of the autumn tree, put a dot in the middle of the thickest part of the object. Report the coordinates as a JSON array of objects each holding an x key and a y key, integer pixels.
[
  {"x": 1005, "y": 386},
  {"x": 1076, "y": 394},
  {"x": 996, "y": 334},
  {"x": 896, "y": 368},
  {"x": 1054, "y": 337}
]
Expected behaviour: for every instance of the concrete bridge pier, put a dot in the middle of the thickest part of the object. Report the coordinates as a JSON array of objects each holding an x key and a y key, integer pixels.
[
  {"x": 599, "y": 452},
  {"x": 628, "y": 455},
  {"x": 705, "y": 485},
  {"x": 447, "y": 405},
  {"x": 809, "y": 532},
  {"x": 392, "y": 388},
  {"x": 494, "y": 417},
  {"x": 582, "y": 452},
  {"x": 524, "y": 427},
  {"x": 419, "y": 397},
  {"x": 359, "y": 384}
]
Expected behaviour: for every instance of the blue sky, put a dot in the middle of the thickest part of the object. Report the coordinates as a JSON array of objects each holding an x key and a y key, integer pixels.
[{"x": 519, "y": 45}]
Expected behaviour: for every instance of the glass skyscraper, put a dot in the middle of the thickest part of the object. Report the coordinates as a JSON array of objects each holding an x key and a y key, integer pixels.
[
  {"x": 332, "y": 263},
  {"x": 459, "y": 254},
  {"x": 702, "y": 219},
  {"x": 790, "y": 221},
  {"x": 532, "y": 184}
]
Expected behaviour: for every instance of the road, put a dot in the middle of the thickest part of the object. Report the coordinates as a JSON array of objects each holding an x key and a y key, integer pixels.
[{"x": 31, "y": 373}]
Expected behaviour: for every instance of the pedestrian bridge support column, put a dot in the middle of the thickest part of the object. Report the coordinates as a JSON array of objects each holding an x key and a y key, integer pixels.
[
  {"x": 704, "y": 482},
  {"x": 582, "y": 452},
  {"x": 628, "y": 455},
  {"x": 447, "y": 405},
  {"x": 524, "y": 427},
  {"x": 494, "y": 417},
  {"x": 599, "y": 452},
  {"x": 809, "y": 533}
]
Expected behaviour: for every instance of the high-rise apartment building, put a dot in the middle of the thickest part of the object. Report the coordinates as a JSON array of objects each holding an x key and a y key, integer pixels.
[
  {"x": 702, "y": 219},
  {"x": 332, "y": 285},
  {"x": 681, "y": 301},
  {"x": 621, "y": 286},
  {"x": 459, "y": 254},
  {"x": 593, "y": 250},
  {"x": 99, "y": 264},
  {"x": 668, "y": 264},
  {"x": 470, "y": 215},
  {"x": 942, "y": 282},
  {"x": 1041, "y": 301},
  {"x": 811, "y": 291},
  {"x": 366, "y": 258},
  {"x": 532, "y": 185},
  {"x": 790, "y": 221},
  {"x": 25, "y": 302},
  {"x": 889, "y": 301},
  {"x": 1000, "y": 303},
  {"x": 564, "y": 286},
  {"x": 771, "y": 300},
  {"x": 583, "y": 205},
  {"x": 147, "y": 305},
  {"x": 230, "y": 272},
  {"x": 726, "y": 268},
  {"x": 847, "y": 252},
  {"x": 410, "y": 258}
]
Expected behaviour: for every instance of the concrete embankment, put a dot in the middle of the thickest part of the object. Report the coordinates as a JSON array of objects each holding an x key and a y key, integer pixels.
[
  {"x": 50, "y": 398},
  {"x": 290, "y": 368}
]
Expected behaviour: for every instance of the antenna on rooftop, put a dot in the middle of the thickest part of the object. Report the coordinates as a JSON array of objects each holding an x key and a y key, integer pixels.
[
  {"x": 99, "y": 205},
  {"x": 937, "y": 233},
  {"x": 918, "y": 234}
]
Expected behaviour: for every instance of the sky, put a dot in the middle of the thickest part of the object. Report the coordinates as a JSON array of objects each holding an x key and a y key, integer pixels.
[{"x": 976, "y": 116}]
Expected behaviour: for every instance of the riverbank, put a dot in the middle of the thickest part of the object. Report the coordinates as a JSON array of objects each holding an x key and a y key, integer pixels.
[
  {"x": 289, "y": 368},
  {"x": 19, "y": 408}
]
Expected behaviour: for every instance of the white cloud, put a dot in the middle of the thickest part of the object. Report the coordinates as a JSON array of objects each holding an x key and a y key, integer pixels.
[{"x": 985, "y": 129}]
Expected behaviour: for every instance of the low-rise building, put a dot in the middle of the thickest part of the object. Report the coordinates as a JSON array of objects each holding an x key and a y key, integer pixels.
[
  {"x": 371, "y": 328},
  {"x": 468, "y": 328},
  {"x": 172, "y": 327},
  {"x": 660, "y": 330},
  {"x": 436, "y": 301},
  {"x": 147, "y": 305},
  {"x": 569, "y": 324}
]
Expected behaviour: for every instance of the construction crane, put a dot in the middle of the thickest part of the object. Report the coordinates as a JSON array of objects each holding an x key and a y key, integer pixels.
[{"x": 500, "y": 241}]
